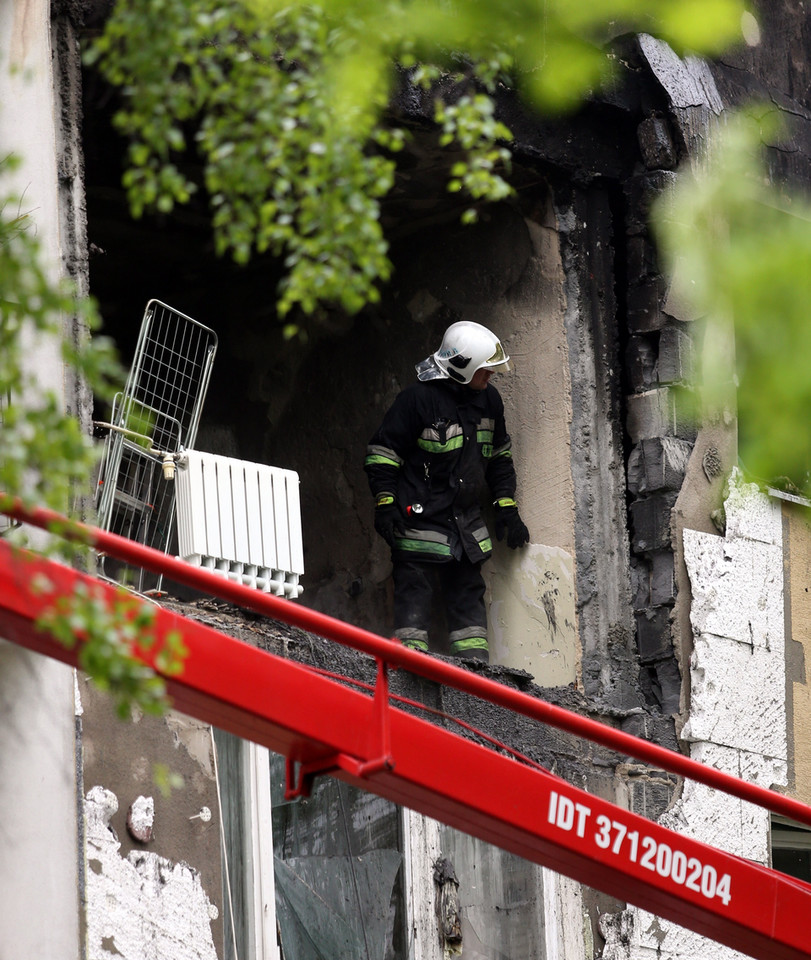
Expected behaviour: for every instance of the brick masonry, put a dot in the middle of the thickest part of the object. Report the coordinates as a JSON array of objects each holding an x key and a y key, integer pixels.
[{"x": 659, "y": 361}]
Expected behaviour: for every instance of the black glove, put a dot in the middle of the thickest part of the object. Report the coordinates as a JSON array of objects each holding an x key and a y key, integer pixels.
[
  {"x": 389, "y": 521},
  {"x": 509, "y": 521}
]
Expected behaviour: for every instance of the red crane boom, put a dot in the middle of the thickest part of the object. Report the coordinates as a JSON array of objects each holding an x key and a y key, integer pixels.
[{"x": 322, "y": 726}]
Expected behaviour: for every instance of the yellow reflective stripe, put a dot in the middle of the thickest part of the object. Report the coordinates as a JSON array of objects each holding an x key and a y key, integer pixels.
[
  {"x": 485, "y": 438},
  {"x": 420, "y": 645},
  {"x": 423, "y": 546},
  {"x": 484, "y": 435},
  {"x": 377, "y": 459},
  {"x": 471, "y": 643},
  {"x": 434, "y": 446}
]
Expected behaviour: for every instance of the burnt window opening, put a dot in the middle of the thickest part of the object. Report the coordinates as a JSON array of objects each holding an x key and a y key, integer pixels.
[
  {"x": 548, "y": 269},
  {"x": 334, "y": 861},
  {"x": 790, "y": 844},
  {"x": 338, "y": 865}
]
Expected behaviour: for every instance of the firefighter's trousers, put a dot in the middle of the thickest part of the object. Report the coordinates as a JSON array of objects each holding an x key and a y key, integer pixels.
[{"x": 460, "y": 588}]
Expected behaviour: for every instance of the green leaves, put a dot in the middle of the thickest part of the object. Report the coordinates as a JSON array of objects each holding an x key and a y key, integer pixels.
[
  {"x": 286, "y": 103},
  {"x": 285, "y": 170},
  {"x": 700, "y": 26},
  {"x": 742, "y": 256},
  {"x": 115, "y": 637},
  {"x": 44, "y": 453},
  {"x": 470, "y": 122},
  {"x": 46, "y": 458}
]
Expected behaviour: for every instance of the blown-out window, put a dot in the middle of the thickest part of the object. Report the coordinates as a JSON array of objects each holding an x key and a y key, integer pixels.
[
  {"x": 307, "y": 879},
  {"x": 344, "y": 873},
  {"x": 791, "y": 848}
]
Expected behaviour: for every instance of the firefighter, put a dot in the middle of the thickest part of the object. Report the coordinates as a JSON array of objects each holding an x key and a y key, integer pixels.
[{"x": 441, "y": 447}]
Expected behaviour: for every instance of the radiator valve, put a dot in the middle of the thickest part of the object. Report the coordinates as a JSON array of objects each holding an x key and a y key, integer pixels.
[{"x": 168, "y": 466}]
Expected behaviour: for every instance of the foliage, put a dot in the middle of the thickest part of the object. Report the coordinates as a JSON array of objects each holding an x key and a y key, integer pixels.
[
  {"x": 743, "y": 256},
  {"x": 46, "y": 458},
  {"x": 286, "y": 108},
  {"x": 115, "y": 639},
  {"x": 44, "y": 453},
  {"x": 166, "y": 779},
  {"x": 287, "y": 105},
  {"x": 279, "y": 174}
]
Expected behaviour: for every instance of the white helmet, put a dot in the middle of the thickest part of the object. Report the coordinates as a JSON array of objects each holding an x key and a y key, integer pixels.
[{"x": 466, "y": 348}]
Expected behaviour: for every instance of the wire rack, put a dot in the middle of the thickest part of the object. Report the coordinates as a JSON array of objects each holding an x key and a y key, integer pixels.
[{"x": 162, "y": 401}]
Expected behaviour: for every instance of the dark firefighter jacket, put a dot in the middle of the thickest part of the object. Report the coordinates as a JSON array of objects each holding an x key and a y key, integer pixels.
[{"x": 438, "y": 449}]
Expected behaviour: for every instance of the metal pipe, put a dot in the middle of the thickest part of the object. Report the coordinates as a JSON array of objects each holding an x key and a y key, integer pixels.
[
  {"x": 392, "y": 652},
  {"x": 168, "y": 459}
]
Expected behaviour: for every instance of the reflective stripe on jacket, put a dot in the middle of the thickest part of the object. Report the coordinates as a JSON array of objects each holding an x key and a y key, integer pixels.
[{"x": 440, "y": 449}]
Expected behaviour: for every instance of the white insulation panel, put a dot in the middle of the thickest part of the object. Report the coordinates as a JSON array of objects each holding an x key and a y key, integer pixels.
[{"x": 736, "y": 720}]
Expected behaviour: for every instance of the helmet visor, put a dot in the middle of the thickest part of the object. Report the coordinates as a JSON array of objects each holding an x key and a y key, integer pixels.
[{"x": 499, "y": 360}]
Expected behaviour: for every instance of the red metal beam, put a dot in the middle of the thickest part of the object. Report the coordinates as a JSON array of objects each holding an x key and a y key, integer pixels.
[
  {"x": 397, "y": 655},
  {"x": 323, "y": 724}
]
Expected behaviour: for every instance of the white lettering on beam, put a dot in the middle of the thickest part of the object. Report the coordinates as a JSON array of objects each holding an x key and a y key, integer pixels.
[{"x": 657, "y": 856}]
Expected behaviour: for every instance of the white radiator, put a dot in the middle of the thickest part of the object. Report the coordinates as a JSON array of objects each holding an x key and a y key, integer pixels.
[{"x": 242, "y": 520}]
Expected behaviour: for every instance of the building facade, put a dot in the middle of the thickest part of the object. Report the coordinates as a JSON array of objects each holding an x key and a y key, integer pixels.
[{"x": 660, "y": 593}]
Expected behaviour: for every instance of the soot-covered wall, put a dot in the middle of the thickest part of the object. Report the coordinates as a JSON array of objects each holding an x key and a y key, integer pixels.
[
  {"x": 567, "y": 274},
  {"x": 541, "y": 270}
]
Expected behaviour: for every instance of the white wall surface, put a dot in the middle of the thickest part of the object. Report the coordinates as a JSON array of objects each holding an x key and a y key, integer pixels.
[
  {"x": 737, "y": 715},
  {"x": 39, "y": 883},
  {"x": 27, "y": 117}
]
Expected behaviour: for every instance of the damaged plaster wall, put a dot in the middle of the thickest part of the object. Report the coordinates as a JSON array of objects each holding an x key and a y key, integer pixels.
[
  {"x": 532, "y": 620},
  {"x": 533, "y": 623},
  {"x": 519, "y": 294},
  {"x": 142, "y": 906},
  {"x": 504, "y": 272},
  {"x": 165, "y": 844},
  {"x": 737, "y": 718},
  {"x": 666, "y": 334},
  {"x": 670, "y": 486},
  {"x": 587, "y": 223}
]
